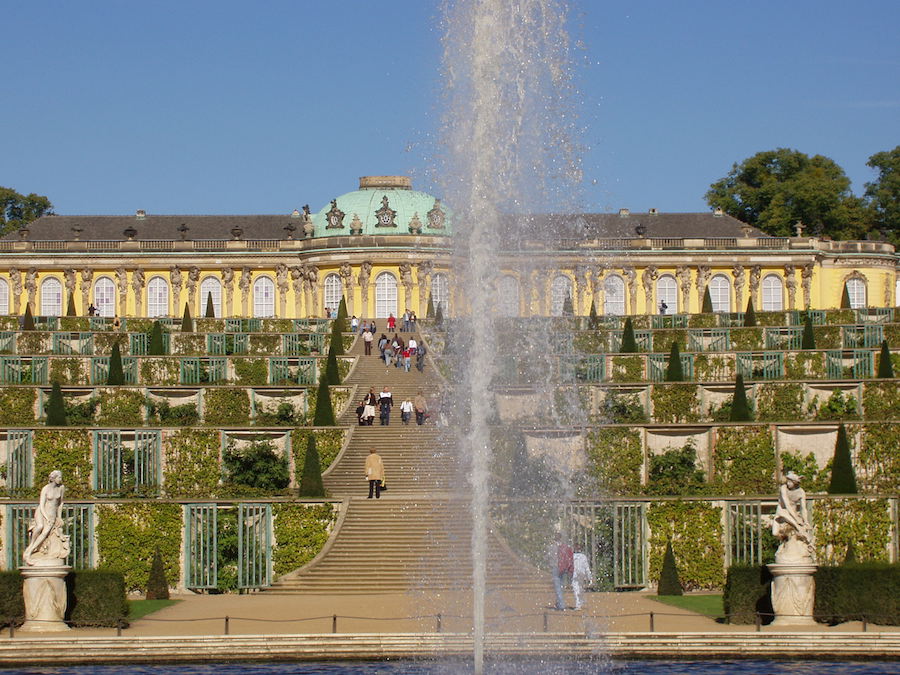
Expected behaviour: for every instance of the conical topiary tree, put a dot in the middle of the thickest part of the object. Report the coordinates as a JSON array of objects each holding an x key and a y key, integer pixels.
[
  {"x": 669, "y": 583},
  {"x": 157, "y": 346},
  {"x": 28, "y": 319},
  {"x": 116, "y": 374},
  {"x": 740, "y": 409},
  {"x": 157, "y": 585},
  {"x": 845, "y": 298},
  {"x": 70, "y": 308},
  {"x": 809, "y": 336},
  {"x": 629, "y": 344},
  {"x": 340, "y": 317},
  {"x": 336, "y": 342},
  {"x": 210, "y": 307},
  {"x": 707, "y": 306},
  {"x": 187, "y": 324},
  {"x": 439, "y": 315},
  {"x": 750, "y": 315},
  {"x": 843, "y": 478},
  {"x": 674, "y": 371},
  {"x": 850, "y": 557},
  {"x": 324, "y": 416},
  {"x": 332, "y": 374},
  {"x": 567, "y": 309},
  {"x": 56, "y": 407},
  {"x": 429, "y": 308},
  {"x": 885, "y": 367},
  {"x": 311, "y": 480},
  {"x": 593, "y": 321}
]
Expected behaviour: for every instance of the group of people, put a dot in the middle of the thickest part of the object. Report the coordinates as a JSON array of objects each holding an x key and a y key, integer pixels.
[
  {"x": 568, "y": 564},
  {"x": 394, "y": 351},
  {"x": 384, "y": 401}
]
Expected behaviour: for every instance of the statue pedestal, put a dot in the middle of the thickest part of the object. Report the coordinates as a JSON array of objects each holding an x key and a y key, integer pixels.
[
  {"x": 44, "y": 590},
  {"x": 793, "y": 593}
]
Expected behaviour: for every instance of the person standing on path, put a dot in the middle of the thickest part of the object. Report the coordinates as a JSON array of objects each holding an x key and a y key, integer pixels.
[
  {"x": 392, "y": 323},
  {"x": 581, "y": 575},
  {"x": 421, "y": 406},
  {"x": 354, "y": 324},
  {"x": 561, "y": 562},
  {"x": 374, "y": 473},
  {"x": 367, "y": 340}
]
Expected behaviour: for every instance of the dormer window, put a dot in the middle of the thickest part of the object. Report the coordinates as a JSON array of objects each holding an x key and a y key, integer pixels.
[
  {"x": 436, "y": 216},
  {"x": 335, "y": 217},
  {"x": 385, "y": 214}
]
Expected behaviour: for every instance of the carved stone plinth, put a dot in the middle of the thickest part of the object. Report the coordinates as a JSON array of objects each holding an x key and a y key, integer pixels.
[
  {"x": 44, "y": 590},
  {"x": 793, "y": 593}
]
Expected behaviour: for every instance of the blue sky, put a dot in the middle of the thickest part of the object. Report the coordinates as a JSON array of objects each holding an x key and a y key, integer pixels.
[{"x": 190, "y": 107}]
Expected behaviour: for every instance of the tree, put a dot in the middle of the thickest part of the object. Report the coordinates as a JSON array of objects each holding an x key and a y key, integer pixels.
[
  {"x": 809, "y": 336},
  {"x": 18, "y": 210},
  {"x": 340, "y": 317},
  {"x": 56, "y": 407},
  {"x": 674, "y": 371},
  {"x": 884, "y": 192},
  {"x": 28, "y": 319},
  {"x": 70, "y": 309},
  {"x": 669, "y": 583},
  {"x": 845, "y": 298},
  {"x": 885, "y": 367},
  {"x": 593, "y": 321},
  {"x": 116, "y": 373},
  {"x": 187, "y": 325},
  {"x": 157, "y": 585},
  {"x": 775, "y": 189},
  {"x": 210, "y": 307},
  {"x": 843, "y": 478},
  {"x": 332, "y": 374},
  {"x": 311, "y": 479},
  {"x": 429, "y": 308},
  {"x": 740, "y": 409},
  {"x": 750, "y": 315},
  {"x": 629, "y": 344},
  {"x": 706, "y": 307},
  {"x": 336, "y": 343},
  {"x": 157, "y": 345},
  {"x": 324, "y": 416},
  {"x": 567, "y": 309}
]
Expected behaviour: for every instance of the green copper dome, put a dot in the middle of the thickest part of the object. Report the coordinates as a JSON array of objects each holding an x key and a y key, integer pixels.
[{"x": 383, "y": 205}]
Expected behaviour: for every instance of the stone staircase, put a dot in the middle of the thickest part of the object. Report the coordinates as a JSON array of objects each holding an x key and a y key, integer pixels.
[{"x": 419, "y": 533}]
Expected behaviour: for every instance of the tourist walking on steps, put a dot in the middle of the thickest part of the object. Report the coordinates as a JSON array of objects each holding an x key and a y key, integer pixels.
[
  {"x": 374, "y": 473},
  {"x": 413, "y": 345},
  {"x": 560, "y": 559},
  {"x": 420, "y": 358},
  {"x": 407, "y": 359},
  {"x": 385, "y": 403},
  {"x": 382, "y": 343},
  {"x": 581, "y": 575},
  {"x": 354, "y": 324},
  {"x": 392, "y": 323},
  {"x": 406, "y": 410},
  {"x": 370, "y": 400},
  {"x": 367, "y": 337},
  {"x": 421, "y": 407}
]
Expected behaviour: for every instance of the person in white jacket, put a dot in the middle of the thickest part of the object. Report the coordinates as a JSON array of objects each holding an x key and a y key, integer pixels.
[{"x": 581, "y": 576}]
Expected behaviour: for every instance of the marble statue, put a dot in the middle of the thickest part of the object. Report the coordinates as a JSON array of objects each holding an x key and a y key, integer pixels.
[{"x": 47, "y": 541}]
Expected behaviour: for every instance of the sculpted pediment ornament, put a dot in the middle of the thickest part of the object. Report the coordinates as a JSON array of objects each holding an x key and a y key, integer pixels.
[
  {"x": 415, "y": 225},
  {"x": 335, "y": 217},
  {"x": 356, "y": 225},
  {"x": 436, "y": 216},
  {"x": 385, "y": 214}
]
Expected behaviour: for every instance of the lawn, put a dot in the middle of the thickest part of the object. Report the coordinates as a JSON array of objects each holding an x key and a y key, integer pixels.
[
  {"x": 141, "y": 608},
  {"x": 708, "y": 604}
]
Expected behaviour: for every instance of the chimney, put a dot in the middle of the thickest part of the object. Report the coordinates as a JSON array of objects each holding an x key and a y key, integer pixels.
[
  {"x": 140, "y": 214},
  {"x": 654, "y": 212},
  {"x": 718, "y": 211},
  {"x": 624, "y": 212}
]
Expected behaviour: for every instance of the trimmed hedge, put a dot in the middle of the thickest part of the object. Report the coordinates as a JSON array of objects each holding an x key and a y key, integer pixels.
[
  {"x": 856, "y": 592},
  {"x": 95, "y": 598},
  {"x": 746, "y": 593}
]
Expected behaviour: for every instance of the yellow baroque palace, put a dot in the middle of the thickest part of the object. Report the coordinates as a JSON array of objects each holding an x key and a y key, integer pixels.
[{"x": 386, "y": 248}]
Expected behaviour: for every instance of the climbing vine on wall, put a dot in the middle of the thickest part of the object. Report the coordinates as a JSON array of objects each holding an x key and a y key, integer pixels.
[
  {"x": 191, "y": 466},
  {"x": 17, "y": 406},
  {"x": 627, "y": 368},
  {"x": 827, "y": 337},
  {"x": 128, "y": 535},
  {"x": 226, "y": 407},
  {"x": 328, "y": 443},
  {"x": 251, "y": 372},
  {"x": 838, "y": 522},
  {"x": 615, "y": 459},
  {"x": 779, "y": 402},
  {"x": 804, "y": 365},
  {"x": 69, "y": 451},
  {"x": 159, "y": 371},
  {"x": 264, "y": 345},
  {"x": 712, "y": 368},
  {"x": 300, "y": 532},
  {"x": 675, "y": 403},
  {"x": 745, "y": 460},
  {"x": 880, "y": 401},
  {"x": 121, "y": 408},
  {"x": 67, "y": 371},
  {"x": 746, "y": 339},
  {"x": 879, "y": 458},
  {"x": 695, "y": 530},
  {"x": 663, "y": 339}
]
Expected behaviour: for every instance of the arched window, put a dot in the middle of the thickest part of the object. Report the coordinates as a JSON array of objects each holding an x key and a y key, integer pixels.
[
  {"x": 772, "y": 293},
  {"x": 334, "y": 291},
  {"x": 105, "y": 297},
  {"x": 210, "y": 286},
  {"x": 667, "y": 295},
  {"x": 385, "y": 295},
  {"x": 440, "y": 292},
  {"x": 4, "y": 297},
  {"x": 560, "y": 289},
  {"x": 614, "y": 295},
  {"x": 51, "y": 297},
  {"x": 157, "y": 297},
  {"x": 508, "y": 296},
  {"x": 720, "y": 293},
  {"x": 263, "y": 298},
  {"x": 856, "y": 289}
]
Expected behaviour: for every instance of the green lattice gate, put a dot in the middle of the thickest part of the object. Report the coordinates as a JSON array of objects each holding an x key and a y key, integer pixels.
[
  {"x": 201, "y": 546},
  {"x": 19, "y": 464},
  {"x": 254, "y": 545}
]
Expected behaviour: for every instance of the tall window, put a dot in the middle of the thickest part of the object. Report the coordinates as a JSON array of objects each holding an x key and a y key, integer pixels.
[
  {"x": 772, "y": 293},
  {"x": 856, "y": 289},
  {"x": 157, "y": 297},
  {"x": 560, "y": 289},
  {"x": 720, "y": 293},
  {"x": 51, "y": 297},
  {"x": 334, "y": 291},
  {"x": 614, "y": 292},
  {"x": 666, "y": 295},
  {"x": 440, "y": 292},
  {"x": 385, "y": 295},
  {"x": 210, "y": 286},
  {"x": 508, "y": 296},
  {"x": 4, "y": 297},
  {"x": 105, "y": 297},
  {"x": 263, "y": 298}
]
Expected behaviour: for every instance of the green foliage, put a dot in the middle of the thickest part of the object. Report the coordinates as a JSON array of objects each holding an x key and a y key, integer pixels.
[
  {"x": 429, "y": 308},
  {"x": 157, "y": 584},
  {"x": 17, "y": 406},
  {"x": 669, "y": 583},
  {"x": 12, "y": 602},
  {"x": 324, "y": 415},
  {"x": 69, "y": 451},
  {"x": 711, "y": 368},
  {"x": 615, "y": 458},
  {"x": 746, "y": 339},
  {"x": 706, "y": 307},
  {"x": 341, "y": 317},
  {"x": 56, "y": 407},
  {"x": 856, "y": 592},
  {"x": 70, "y": 306},
  {"x": 880, "y": 401},
  {"x": 567, "y": 309},
  {"x": 750, "y": 315},
  {"x": 116, "y": 375},
  {"x": 675, "y": 403},
  {"x": 814, "y": 479},
  {"x": 256, "y": 465},
  {"x": 827, "y": 337},
  {"x": 251, "y": 372},
  {"x": 879, "y": 458},
  {"x": 864, "y": 523},
  {"x": 695, "y": 531},
  {"x": 664, "y": 339},
  {"x": 627, "y": 368},
  {"x": 67, "y": 370},
  {"x": 285, "y": 415},
  {"x": 336, "y": 344},
  {"x": 191, "y": 463},
  {"x": 96, "y": 598},
  {"x": 263, "y": 344},
  {"x": 593, "y": 323},
  {"x": 885, "y": 368},
  {"x": 884, "y": 192},
  {"x": 804, "y": 365},
  {"x": 808, "y": 340},
  {"x": 159, "y": 371},
  {"x": 81, "y": 414},
  {"x": 839, "y": 406},
  {"x": 210, "y": 309},
  {"x": 328, "y": 442},
  {"x": 675, "y": 472},
  {"x": 129, "y": 534},
  {"x": 629, "y": 344},
  {"x": 740, "y": 410},
  {"x": 17, "y": 210},
  {"x": 300, "y": 532},
  {"x": 843, "y": 478},
  {"x": 439, "y": 315},
  {"x": 745, "y": 460},
  {"x": 226, "y": 407},
  {"x": 674, "y": 371},
  {"x": 845, "y": 298},
  {"x": 746, "y": 594},
  {"x": 157, "y": 345},
  {"x": 331, "y": 369},
  {"x": 311, "y": 481},
  {"x": 163, "y": 413},
  {"x": 187, "y": 324},
  {"x": 28, "y": 320},
  {"x": 121, "y": 408},
  {"x": 619, "y": 408}
]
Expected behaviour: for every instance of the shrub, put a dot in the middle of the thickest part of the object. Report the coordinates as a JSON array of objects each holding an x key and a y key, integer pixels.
[
  {"x": 621, "y": 408},
  {"x": 257, "y": 465},
  {"x": 592, "y": 317},
  {"x": 839, "y": 406},
  {"x": 210, "y": 311},
  {"x": 843, "y": 479},
  {"x": 96, "y": 598},
  {"x": 28, "y": 319},
  {"x": 669, "y": 583},
  {"x": 157, "y": 585},
  {"x": 12, "y": 603},
  {"x": 845, "y": 298},
  {"x": 311, "y": 481},
  {"x": 674, "y": 371},
  {"x": 336, "y": 344},
  {"x": 439, "y": 315},
  {"x": 750, "y": 315},
  {"x": 429, "y": 308},
  {"x": 157, "y": 346},
  {"x": 740, "y": 410},
  {"x": 809, "y": 335},
  {"x": 629, "y": 344},
  {"x": 746, "y": 594},
  {"x": 56, "y": 407},
  {"x": 707, "y": 306},
  {"x": 675, "y": 472},
  {"x": 859, "y": 591},
  {"x": 116, "y": 374},
  {"x": 324, "y": 416},
  {"x": 885, "y": 368},
  {"x": 187, "y": 325},
  {"x": 332, "y": 376},
  {"x": 70, "y": 307}
]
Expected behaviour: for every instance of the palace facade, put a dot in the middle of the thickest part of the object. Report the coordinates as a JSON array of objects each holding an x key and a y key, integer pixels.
[{"x": 386, "y": 247}]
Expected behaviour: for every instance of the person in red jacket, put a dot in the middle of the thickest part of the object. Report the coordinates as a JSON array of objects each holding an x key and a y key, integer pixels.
[{"x": 562, "y": 564}]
